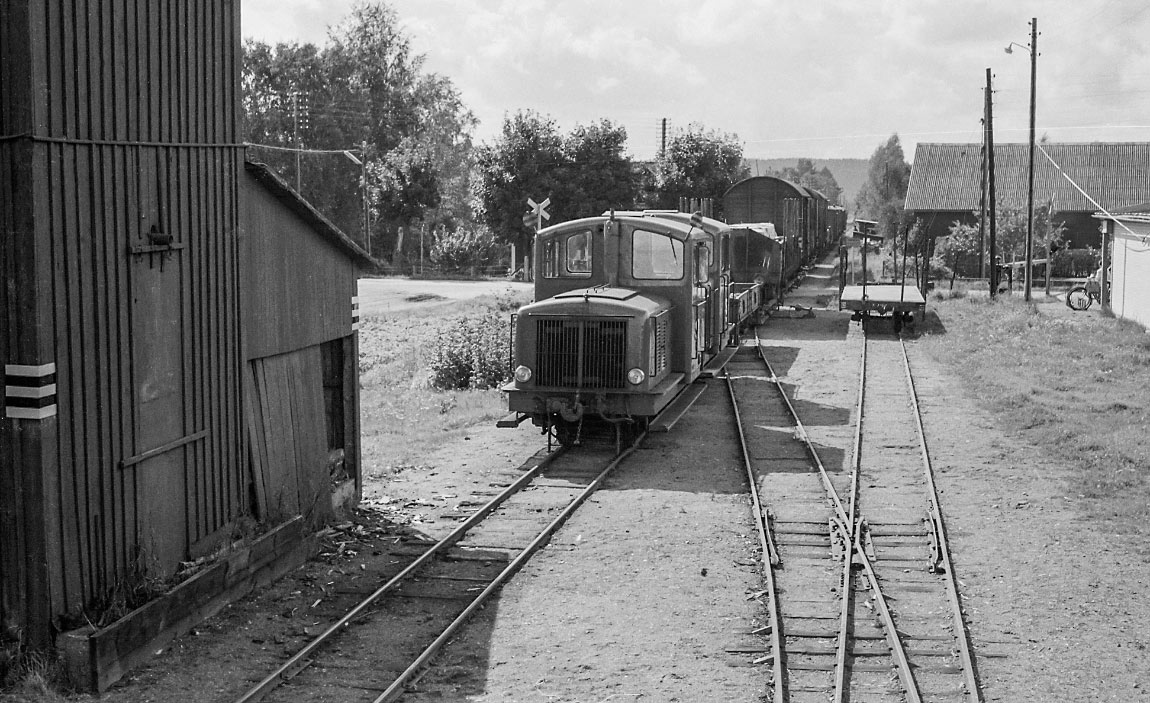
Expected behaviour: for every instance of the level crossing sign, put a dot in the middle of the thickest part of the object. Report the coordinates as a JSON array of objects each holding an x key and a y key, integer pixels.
[{"x": 537, "y": 213}]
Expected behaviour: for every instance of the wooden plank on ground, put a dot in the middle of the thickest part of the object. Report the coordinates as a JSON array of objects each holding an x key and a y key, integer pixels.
[{"x": 114, "y": 650}]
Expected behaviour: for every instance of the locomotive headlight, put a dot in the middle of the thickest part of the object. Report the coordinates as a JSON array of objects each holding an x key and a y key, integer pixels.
[
  {"x": 522, "y": 374},
  {"x": 636, "y": 376}
]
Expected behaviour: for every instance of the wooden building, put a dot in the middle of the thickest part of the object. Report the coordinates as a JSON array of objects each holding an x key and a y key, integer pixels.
[
  {"x": 300, "y": 313},
  {"x": 946, "y": 181},
  {"x": 1128, "y": 230},
  {"x": 152, "y": 338}
]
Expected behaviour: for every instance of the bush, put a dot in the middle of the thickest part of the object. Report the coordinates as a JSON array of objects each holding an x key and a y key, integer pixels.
[
  {"x": 1076, "y": 263},
  {"x": 464, "y": 248},
  {"x": 472, "y": 353}
]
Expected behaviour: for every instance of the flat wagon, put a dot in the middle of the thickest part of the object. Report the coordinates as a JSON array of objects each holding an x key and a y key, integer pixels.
[{"x": 861, "y": 288}]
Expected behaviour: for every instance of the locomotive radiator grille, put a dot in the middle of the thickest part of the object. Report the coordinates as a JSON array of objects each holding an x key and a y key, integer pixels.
[
  {"x": 581, "y": 353},
  {"x": 661, "y": 324}
]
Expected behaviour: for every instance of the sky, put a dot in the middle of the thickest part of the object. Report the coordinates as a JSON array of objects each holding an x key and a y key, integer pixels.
[{"x": 791, "y": 78}]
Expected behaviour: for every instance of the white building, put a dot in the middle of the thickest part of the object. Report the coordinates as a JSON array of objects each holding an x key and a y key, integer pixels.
[{"x": 1129, "y": 230}]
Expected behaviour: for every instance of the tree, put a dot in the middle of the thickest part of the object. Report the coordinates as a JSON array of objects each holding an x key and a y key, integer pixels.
[
  {"x": 583, "y": 173},
  {"x": 464, "y": 247},
  {"x": 823, "y": 180},
  {"x": 958, "y": 252},
  {"x": 698, "y": 164},
  {"x": 600, "y": 174},
  {"x": 523, "y": 162},
  {"x": 364, "y": 87},
  {"x": 960, "y": 245},
  {"x": 883, "y": 195},
  {"x": 1011, "y": 233}
]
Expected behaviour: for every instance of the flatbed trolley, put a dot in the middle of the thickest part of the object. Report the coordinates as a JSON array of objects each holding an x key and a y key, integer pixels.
[{"x": 902, "y": 301}]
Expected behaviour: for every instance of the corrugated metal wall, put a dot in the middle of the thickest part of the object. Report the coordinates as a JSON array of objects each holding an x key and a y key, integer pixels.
[{"x": 132, "y": 130}]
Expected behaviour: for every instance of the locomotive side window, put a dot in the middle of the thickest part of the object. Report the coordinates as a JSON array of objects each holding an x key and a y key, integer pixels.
[
  {"x": 579, "y": 254},
  {"x": 702, "y": 263},
  {"x": 655, "y": 256},
  {"x": 568, "y": 255}
]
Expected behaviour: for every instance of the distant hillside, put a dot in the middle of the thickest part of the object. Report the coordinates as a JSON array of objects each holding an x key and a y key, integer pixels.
[{"x": 849, "y": 173}]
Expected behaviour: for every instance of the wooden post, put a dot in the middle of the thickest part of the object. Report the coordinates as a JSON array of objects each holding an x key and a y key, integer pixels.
[
  {"x": 1104, "y": 279},
  {"x": 1049, "y": 262},
  {"x": 990, "y": 196}
]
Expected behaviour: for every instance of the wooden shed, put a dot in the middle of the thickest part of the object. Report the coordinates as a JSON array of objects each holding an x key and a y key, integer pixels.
[
  {"x": 300, "y": 314},
  {"x": 165, "y": 309},
  {"x": 1129, "y": 230}
]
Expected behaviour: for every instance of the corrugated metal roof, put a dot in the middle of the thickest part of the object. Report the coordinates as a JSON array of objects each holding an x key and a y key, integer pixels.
[{"x": 946, "y": 177}]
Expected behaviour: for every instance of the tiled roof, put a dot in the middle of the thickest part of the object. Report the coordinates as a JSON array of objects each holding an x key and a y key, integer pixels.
[{"x": 946, "y": 177}]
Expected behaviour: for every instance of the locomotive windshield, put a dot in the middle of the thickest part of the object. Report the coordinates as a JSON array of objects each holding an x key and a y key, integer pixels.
[
  {"x": 568, "y": 255},
  {"x": 655, "y": 256}
]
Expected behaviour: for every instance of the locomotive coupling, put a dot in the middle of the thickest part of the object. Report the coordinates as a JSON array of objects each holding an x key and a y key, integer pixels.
[{"x": 571, "y": 411}]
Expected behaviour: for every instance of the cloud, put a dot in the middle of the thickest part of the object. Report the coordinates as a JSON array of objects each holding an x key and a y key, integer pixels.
[{"x": 823, "y": 79}]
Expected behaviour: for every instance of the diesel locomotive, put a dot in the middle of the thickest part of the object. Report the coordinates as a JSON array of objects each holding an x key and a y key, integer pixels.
[{"x": 630, "y": 309}]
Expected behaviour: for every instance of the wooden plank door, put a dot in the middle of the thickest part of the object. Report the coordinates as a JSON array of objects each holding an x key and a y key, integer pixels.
[{"x": 158, "y": 388}]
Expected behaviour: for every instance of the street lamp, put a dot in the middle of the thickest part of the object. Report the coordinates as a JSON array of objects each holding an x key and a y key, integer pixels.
[{"x": 1033, "y": 50}]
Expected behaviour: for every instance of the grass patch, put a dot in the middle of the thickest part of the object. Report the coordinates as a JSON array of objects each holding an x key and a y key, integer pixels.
[
  {"x": 34, "y": 677},
  {"x": 1074, "y": 386},
  {"x": 403, "y": 416}
]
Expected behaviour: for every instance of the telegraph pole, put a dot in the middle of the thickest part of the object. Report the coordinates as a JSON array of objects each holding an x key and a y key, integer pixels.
[
  {"x": 982, "y": 186},
  {"x": 1030, "y": 178},
  {"x": 990, "y": 185},
  {"x": 363, "y": 195}
]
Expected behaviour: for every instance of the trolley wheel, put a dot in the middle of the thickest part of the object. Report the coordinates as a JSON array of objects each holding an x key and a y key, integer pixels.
[
  {"x": 897, "y": 320},
  {"x": 1077, "y": 298}
]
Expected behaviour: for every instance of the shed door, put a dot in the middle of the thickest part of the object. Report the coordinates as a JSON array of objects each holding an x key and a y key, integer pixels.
[
  {"x": 288, "y": 433},
  {"x": 158, "y": 388}
]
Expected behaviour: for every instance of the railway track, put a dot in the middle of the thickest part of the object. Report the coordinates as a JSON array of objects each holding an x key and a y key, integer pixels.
[
  {"x": 383, "y": 644},
  {"x": 863, "y": 603}
]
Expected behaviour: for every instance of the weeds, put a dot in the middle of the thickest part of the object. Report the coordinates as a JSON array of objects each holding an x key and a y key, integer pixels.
[
  {"x": 1072, "y": 386},
  {"x": 405, "y": 360},
  {"x": 471, "y": 354},
  {"x": 35, "y": 677}
]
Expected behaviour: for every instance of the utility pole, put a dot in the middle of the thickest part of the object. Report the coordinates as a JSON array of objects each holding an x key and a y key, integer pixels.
[
  {"x": 982, "y": 186},
  {"x": 295, "y": 136},
  {"x": 1030, "y": 178},
  {"x": 363, "y": 194},
  {"x": 663, "y": 140},
  {"x": 990, "y": 184}
]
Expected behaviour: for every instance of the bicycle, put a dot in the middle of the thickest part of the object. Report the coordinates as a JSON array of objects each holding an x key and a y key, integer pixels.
[{"x": 1082, "y": 295}]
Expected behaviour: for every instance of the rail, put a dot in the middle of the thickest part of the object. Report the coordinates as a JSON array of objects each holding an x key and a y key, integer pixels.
[
  {"x": 848, "y": 525},
  {"x": 300, "y": 660}
]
